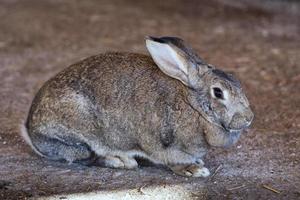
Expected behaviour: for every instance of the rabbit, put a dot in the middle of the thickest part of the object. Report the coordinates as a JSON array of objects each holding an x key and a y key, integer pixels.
[{"x": 111, "y": 109}]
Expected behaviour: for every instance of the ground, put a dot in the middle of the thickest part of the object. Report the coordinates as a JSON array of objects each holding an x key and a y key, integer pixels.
[{"x": 259, "y": 42}]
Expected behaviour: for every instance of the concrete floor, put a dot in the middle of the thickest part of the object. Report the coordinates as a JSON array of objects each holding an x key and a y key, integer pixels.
[{"x": 260, "y": 43}]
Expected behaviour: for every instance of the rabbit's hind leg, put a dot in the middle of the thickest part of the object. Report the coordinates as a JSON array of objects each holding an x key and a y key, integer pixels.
[{"x": 56, "y": 149}]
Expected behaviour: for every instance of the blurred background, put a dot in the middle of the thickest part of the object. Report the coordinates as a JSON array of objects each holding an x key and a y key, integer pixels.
[{"x": 258, "y": 40}]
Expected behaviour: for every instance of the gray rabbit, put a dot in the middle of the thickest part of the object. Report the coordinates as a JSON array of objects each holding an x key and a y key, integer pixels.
[{"x": 113, "y": 108}]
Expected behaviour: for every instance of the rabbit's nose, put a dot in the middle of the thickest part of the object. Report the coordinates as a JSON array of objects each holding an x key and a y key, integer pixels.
[
  {"x": 241, "y": 120},
  {"x": 249, "y": 118},
  {"x": 248, "y": 123}
]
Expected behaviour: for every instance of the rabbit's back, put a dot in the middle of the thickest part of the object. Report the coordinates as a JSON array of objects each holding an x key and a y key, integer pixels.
[{"x": 118, "y": 81}]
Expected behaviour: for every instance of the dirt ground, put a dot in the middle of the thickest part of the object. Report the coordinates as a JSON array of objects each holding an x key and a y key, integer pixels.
[{"x": 259, "y": 42}]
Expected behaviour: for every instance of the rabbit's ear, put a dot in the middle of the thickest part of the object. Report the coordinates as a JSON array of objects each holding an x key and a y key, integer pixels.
[{"x": 174, "y": 58}]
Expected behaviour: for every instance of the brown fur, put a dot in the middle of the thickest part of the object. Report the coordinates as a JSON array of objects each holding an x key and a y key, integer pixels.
[{"x": 118, "y": 106}]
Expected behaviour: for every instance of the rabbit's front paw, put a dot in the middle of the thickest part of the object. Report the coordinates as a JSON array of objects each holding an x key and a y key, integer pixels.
[{"x": 192, "y": 170}]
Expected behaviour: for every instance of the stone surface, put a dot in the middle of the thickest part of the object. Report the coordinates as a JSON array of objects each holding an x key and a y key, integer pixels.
[{"x": 260, "y": 44}]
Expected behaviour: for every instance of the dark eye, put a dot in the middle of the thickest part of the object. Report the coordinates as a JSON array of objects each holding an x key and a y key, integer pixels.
[{"x": 218, "y": 93}]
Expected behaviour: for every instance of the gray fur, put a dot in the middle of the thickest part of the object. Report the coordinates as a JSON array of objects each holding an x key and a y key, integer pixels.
[
  {"x": 113, "y": 107},
  {"x": 226, "y": 76}
]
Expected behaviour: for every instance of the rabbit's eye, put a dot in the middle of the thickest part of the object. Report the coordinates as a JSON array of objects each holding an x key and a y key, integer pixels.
[{"x": 218, "y": 93}]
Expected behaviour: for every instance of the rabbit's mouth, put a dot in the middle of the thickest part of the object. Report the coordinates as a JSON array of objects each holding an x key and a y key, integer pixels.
[
  {"x": 220, "y": 136},
  {"x": 236, "y": 125},
  {"x": 231, "y": 130}
]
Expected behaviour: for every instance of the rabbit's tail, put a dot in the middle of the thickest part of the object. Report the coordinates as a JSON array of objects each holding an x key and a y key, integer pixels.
[{"x": 24, "y": 134}]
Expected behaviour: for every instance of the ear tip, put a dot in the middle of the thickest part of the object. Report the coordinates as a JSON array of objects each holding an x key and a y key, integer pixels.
[
  {"x": 155, "y": 39},
  {"x": 148, "y": 41},
  {"x": 148, "y": 37}
]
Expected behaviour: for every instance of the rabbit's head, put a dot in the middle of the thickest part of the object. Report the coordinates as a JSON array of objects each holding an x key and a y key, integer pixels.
[{"x": 215, "y": 94}]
